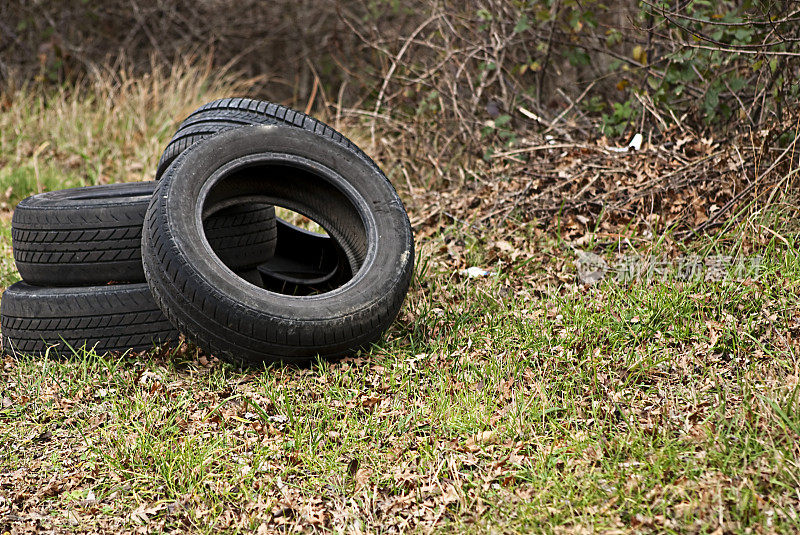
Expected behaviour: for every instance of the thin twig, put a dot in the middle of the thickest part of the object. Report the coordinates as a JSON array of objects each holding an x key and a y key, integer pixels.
[
  {"x": 727, "y": 206},
  {"x": 393, "y": 67},
  {"x": 572, "y": 104},
  {"x": 747, "y": 24},
  {"x": 546, "y": 62},
  {"x": 313, "y": 95}
]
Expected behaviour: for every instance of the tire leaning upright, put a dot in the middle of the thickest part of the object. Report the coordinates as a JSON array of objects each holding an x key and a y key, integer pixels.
[
  {"x": 227, "y": 113},
  {"x": 306, "y": 172}
]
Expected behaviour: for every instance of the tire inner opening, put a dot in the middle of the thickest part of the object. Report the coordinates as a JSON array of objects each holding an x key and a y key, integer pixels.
[{"x": 306, "y": 262}]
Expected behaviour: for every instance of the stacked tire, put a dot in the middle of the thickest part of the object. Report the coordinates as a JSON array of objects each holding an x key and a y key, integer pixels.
[
  {"x": 78, "y": 252},
  {"x": 201, "y": 252}
]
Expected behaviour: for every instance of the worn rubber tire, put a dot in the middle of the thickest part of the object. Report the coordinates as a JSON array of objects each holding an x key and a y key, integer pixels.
[
  {"x": 92, "y": 235},
  {"x": 107, "y": 318},
  {"x": 305, "y": 172},
  {"x": 225, "y": 113}
]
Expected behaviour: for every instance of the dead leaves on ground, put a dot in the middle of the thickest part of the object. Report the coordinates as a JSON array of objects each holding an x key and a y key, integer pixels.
[{"x": 679, "y": 182}]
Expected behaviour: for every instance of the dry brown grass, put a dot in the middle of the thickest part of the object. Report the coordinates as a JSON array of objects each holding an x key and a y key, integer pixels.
[{"x": 110, "y": 128}]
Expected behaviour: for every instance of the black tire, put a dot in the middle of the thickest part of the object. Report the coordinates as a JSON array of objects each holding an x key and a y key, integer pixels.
[
  {"x": 92, "y": 235},
  {"x": 107, "y": 318},
  {"x": 305, "y": 172},
  {"x": 225, "y": 113}
]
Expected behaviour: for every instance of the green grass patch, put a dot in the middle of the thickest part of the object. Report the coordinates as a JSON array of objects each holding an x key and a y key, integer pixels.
[{"x": 512, "y": 402}]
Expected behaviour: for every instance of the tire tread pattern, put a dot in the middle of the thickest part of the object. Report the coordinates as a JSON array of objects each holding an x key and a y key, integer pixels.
[
  {"x": 226, "y": 113},
  {"x": 108, "y": 318},
  {"x": 55, "y": 245}
]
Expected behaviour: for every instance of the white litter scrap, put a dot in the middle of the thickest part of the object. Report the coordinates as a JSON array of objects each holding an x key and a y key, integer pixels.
[
  {"x": 475, "y": 272},
  {"x": 635, "y": 144}
]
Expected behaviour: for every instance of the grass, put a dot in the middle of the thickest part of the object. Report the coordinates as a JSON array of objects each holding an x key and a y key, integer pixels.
[{"x": 514, "y": 402}]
